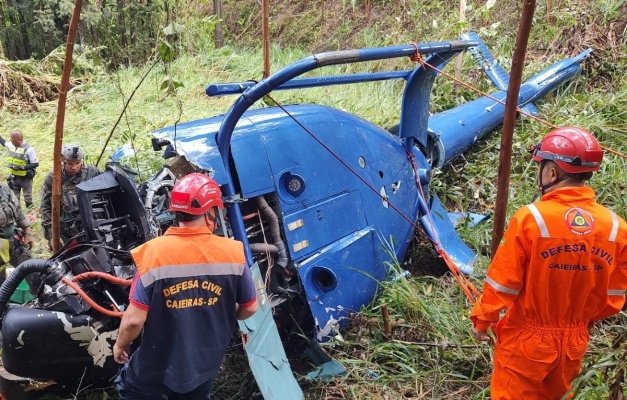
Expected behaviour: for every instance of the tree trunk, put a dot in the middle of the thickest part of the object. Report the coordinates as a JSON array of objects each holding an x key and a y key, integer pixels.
[
  {"x": 25, "y": 34},
  {"x": 122, "y": 26},
  {"x": 82, "y": 30},
  {"x": 3, "y": 18},
  {"x": 94, "y": 35}
]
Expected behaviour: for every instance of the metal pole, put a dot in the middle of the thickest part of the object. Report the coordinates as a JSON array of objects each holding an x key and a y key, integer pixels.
[
  {"x": 266, "y": 38},
  {"x": 217, "y": 9},
  {"x": 509, "y": 122},
  {"x": 58, "y": 135}
]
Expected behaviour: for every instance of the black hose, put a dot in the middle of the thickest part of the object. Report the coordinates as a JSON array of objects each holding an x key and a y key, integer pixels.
[
  {"x": 257, "y": 248},
  {"x": 10, "y": 285},
  {"x": 275, "y": 230}
]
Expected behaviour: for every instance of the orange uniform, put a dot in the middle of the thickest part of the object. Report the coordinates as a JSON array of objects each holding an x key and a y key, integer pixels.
[{"x": 562, "y": 264}]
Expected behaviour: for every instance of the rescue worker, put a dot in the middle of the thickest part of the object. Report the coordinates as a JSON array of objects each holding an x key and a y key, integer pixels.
[
  {"x": 189, "y": 289},
  {"x": 561, "y": 266},
  {"x": 73, "y": 172},
  {"x": 22, "y": 165},
  {"x": 12, "y": 250}
]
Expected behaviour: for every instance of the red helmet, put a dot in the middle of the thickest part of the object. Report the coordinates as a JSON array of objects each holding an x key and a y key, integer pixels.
[
  {"x": 573, "y": 149},
  {"x": 195, "y": 194}
]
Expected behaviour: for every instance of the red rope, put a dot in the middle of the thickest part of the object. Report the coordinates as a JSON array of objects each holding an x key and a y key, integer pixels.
[
  {"x": 469, "y": 289},
  {"x": 416, "y": 57}
]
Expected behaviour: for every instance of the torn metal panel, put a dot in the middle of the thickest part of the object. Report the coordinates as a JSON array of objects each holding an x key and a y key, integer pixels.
[{"x": 266, "y": 355}]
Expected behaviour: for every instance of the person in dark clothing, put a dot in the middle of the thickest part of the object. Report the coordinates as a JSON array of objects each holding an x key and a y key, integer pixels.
[
  {"x": 189, "y": 289},
  {"x": 22, "y": 165},
  {"x": 74, "y": 171}
]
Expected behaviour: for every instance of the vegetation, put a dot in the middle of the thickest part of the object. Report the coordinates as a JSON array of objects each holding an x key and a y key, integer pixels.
[{"x": 430, "y": 353}]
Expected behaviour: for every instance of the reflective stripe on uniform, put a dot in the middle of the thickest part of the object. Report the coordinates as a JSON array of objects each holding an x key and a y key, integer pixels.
[
  {"x": 615, "y": 292},
  {"x": 4, "y": 253},
  {"x": 500, "y": 287},
  {"x": 539, "y": 220},
  {"x": 614, "y": 231},
  {"x": 18, "y": 158},
  {"x": 185, "y": 271}
]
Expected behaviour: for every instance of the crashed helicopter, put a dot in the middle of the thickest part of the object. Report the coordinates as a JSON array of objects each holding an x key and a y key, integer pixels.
[{"x": 310, "y": 190}]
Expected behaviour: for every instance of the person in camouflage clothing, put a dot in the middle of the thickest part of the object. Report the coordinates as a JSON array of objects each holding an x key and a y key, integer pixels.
[
  {"x": 74, "y": 171},
  {"x": 14, "y": 243}
]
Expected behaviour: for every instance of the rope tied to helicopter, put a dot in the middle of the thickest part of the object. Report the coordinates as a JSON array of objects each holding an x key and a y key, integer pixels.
[
  {"x": 417, "y": 58},
  {"x": 467, "y": 287}
]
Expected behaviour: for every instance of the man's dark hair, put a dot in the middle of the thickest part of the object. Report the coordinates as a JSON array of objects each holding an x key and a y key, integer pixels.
[
  {"x": 583, "y": 176},
  {"x": 184, "y": 217}
]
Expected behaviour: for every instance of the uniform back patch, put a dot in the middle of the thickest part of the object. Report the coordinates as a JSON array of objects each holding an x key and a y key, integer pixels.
[{"x": 579, "y": 221}]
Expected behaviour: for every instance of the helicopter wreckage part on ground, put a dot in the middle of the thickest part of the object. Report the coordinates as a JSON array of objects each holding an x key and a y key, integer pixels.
[
  {"x": 326, "y": 367},
  {"x": 63, "y": 337},
  {"x": 320, "y": 221},
  {"x": 471, "y": 219},
  {"x": 266, "y": 355},
  {"x": 449, "y": 130}
]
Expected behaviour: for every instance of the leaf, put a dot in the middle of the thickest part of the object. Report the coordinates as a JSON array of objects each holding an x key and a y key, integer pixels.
[
  {"x": 166, "y": 52},
  {"x": 168, "y": 30},
  {"x": 173, "y": 29},
  {"x": 165, "y": 82}
]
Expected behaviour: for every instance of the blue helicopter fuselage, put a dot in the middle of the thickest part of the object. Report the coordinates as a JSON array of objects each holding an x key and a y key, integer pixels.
[
  {"x": 333, "y": 220},
  {"x": 345, "y": 195}
]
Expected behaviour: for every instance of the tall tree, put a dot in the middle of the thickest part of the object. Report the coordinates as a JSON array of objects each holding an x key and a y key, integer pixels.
[{"x": 122, "y": 25}]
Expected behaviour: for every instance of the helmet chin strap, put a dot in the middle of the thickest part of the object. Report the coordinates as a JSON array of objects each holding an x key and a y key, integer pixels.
[
  {"x": 211, "y": 220},
  {"x": 542, "y": 187}
]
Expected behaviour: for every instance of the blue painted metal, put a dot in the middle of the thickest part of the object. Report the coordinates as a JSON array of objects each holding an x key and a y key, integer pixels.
[
  {"x": 441, "y": 230},
  {"x": 221, "y": 89},
  {"x": 342, "y": 186},
  {"x": 266, "y": 355},
  {"x": 415, "y": 106},
  {"x": 485, "y": 59},
  {"x": 471, "y": 219},
  {"x": 455, "y": 131}
]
